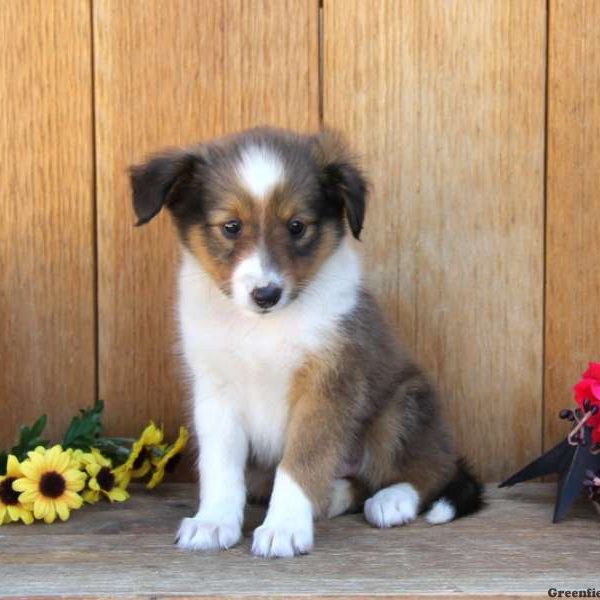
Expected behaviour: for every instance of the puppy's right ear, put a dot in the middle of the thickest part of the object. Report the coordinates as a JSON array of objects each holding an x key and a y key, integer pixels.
[{"x": 155, "y": 183}]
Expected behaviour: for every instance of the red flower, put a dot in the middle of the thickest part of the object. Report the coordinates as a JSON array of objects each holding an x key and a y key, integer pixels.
[{"x": 589, "y": 389}]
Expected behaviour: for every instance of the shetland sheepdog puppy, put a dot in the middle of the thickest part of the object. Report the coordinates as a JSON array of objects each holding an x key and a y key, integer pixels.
[{"x": 302, "y": 396}]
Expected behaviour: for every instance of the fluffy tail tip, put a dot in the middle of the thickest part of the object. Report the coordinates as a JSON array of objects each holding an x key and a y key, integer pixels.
[{"x": 462, "y": 495}]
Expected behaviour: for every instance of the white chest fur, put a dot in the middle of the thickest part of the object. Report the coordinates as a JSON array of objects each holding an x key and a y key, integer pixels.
[{"x": 248, "y": 360}]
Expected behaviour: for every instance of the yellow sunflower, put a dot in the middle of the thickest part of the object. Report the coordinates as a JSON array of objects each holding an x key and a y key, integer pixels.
[
  {"x": 50, "y": 484},
  {"x": 11, "y": 508},
  {"x": 169, "y": 459},
  {"x": 104, "y": 481},
  {"x": 138, "y": 464},
  {"x": 79, "y": 458}
]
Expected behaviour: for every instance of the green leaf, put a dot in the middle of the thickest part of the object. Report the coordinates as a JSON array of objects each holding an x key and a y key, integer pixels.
[
  {"x": 39, "y": 425},
  {"x": 3, "y": 462},
  {"x": 85, "y": 428},
  {"x": 29, "y": 438}
]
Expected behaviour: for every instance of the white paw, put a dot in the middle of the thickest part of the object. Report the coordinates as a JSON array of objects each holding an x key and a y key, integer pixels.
[
  {"x": 394, "y": 505},
  {"x": 282, "y": 541},
  {"x": 201, "y": 534}
]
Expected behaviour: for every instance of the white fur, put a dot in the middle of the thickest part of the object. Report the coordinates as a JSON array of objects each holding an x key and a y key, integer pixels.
[
  {"x": 342, "y": 498},
  {"x": 260, "y": 170},
  {"x": 395, "y": 505},
  {"x": 441, "y": 512},
  {"x": 252, "y": 272},
  {"x": 242, "y": 364},
  {"x": 288, "y": 527},
  {"x": 218, "y": 522}
]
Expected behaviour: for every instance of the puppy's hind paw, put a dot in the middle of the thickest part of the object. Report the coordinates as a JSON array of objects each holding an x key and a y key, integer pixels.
[
  {"x": 199, "y": 534},
  {"x": 394, "y": 505}
]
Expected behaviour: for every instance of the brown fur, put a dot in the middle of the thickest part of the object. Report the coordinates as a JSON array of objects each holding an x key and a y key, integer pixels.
[{"x": 365, "y": 411}]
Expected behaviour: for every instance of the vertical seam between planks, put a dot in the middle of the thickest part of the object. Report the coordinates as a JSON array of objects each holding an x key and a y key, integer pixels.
[
  {"x": 95, "y": 233},
  {"x": 321, "y": 58},
  {"x": 225, "y": 123},
  {"x": 545, "y": 223}
]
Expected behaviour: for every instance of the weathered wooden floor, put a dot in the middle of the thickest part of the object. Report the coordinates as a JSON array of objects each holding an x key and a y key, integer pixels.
[{"x": 509, "y": 549}]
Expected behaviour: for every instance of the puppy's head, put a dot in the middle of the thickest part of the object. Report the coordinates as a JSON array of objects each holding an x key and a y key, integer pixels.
[{"x": 261, "y": 211}]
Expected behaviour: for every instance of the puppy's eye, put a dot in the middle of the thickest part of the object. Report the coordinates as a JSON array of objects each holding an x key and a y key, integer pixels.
[
  {"x": 296, "y": 228},
  {"x": 232, "y": 229}
]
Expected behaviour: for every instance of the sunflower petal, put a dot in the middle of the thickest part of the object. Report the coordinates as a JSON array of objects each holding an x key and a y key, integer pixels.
[
  {"x": 28, "y": 496},
  {"x": 50, "y": 515},
  {"x": 32, "y": 469},
  {"x": 40, "y": 508},
  {"x": 26, "y": 516},
  {"x": 63, "y": 462},
  {"x": 72, "y": 499},
  {"x": 13, "y": 468},
  {"x": 91, "y": 497},
  {"x": 118, "y": 495},
  {"x": 62, "y": 510},
  {"x": 24, "y": 485},
  {"x": 93, "y": 469}
]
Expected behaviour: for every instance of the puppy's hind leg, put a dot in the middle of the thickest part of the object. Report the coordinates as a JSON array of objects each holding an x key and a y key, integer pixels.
[
  {"x": 409, "y": 454},
  {"x": 347, "y": 496}
]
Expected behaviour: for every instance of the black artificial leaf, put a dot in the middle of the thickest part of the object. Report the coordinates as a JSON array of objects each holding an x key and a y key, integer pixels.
[{"x": 570, "y": 462}]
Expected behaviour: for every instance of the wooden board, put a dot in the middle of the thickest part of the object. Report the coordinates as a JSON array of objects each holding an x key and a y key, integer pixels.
[
  {"x": 508, "y": 550},
  {"x": 168, "y": 73},
  {"x": 445, "y": 101},
  {"x": 47, "y": 337},
  {"x": 573, "y": 218}
]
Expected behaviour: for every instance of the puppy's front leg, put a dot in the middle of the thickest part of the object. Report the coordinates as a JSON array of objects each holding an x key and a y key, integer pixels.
[
  {"x": 223, "y": 451},
  {"x": 304, "y": 476}
]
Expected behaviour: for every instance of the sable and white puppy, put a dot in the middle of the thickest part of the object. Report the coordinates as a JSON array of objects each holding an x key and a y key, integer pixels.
[{"x": 300, "y": 391}]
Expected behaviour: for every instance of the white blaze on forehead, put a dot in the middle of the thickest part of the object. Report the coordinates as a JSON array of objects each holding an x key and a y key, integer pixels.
[{"x": 260, "y": 170}]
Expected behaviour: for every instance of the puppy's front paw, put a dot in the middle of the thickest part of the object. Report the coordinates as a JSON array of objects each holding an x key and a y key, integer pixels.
[
  {"x": 200, "y": 534},
  {"x": 282, "y": 540},
  {"x": 395, "y": 505}
]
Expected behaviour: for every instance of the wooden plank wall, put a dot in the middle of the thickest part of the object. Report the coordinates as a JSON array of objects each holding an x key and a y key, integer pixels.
[
  {"x": 47, "y": 306},
  {"x": 476, "y": 130},
  {"x": 573, "y": 219}
]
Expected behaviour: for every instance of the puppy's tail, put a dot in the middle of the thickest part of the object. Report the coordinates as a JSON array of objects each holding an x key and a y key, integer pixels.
[{"x": 461, "y": 496}]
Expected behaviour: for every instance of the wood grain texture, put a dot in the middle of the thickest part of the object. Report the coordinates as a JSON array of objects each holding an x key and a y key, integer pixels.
[
  {"x": 508, "y": 550},
  {"x": 47, "y": 340},
  {"x": 573, "y": 209},
  {"x": 445, "y": 101},
  {"x": 170, "y": 73}
]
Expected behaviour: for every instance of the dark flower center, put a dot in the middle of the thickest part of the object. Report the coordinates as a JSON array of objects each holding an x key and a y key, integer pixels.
[
  {"x": 172, "y": 464},
  {"x": 105, "y": 479},
  {"x": 8, "y": 496},
  {"x": 139, "y": 461},
  {"x": 52, "y": 484}
]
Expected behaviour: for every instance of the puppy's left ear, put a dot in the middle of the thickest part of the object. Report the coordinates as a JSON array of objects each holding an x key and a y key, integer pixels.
[
  {"x": 342, "y": 179},
  {"x": 155, "y": 183}
]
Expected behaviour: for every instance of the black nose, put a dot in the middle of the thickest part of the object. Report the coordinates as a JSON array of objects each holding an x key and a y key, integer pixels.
[{"x": 267, "y": 296}]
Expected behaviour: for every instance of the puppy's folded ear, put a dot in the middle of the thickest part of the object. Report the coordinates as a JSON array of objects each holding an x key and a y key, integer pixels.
[
  {"x": 342, "y": 179},
  {"x": 156, "y": 182}
]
